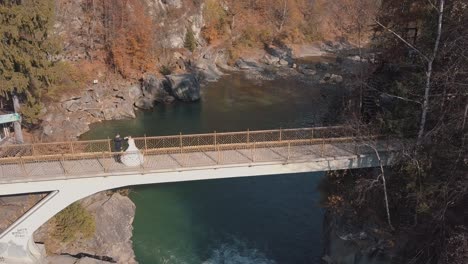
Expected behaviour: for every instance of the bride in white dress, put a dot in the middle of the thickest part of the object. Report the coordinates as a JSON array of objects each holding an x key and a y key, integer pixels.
[{"x": 132, "y": 156}]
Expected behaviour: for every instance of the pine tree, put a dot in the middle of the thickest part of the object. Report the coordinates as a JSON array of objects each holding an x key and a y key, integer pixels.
[
  {"x": 190, "y": 43},
  {"x": 25, "y": 51}
]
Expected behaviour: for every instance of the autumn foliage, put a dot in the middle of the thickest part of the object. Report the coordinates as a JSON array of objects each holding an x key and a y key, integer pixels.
[{"x": 127, "y": 32}]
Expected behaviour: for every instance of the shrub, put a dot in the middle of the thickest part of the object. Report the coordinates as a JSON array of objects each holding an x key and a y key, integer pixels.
[
  {"x": 72, "y": 222},
  {"x": 190, "y": 43},
  {"x": 165, "y": 70}
]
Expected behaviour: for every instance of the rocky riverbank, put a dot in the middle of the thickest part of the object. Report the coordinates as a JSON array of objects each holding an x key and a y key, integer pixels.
[
  {"x": 321, "y": 64},
  {"x": 348, "y": 242}
]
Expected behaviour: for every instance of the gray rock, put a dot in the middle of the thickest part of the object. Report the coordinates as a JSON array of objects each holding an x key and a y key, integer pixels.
[
  {"x": 270, "y": 59},
  {"x": 322, "y": 66},
  {"x": 72, "y": 105},
  {"x": 244, "y": 64},
  {"x": 334, "y": 78},
  {"x": 61, "y": 259},
  {"x": 87, "y": 260},
  {"x": 173, "y": 3},
  {"x": 117, "y": 109},
  {"x": 86, "y": 98},
  {"x": 114, "y": 217},
  {"x": 144, "y": 103},
  {"x": 184, "y": 87},
  {"x": 308, "y": 72},
  {"x": 97, "y": 113},
  {"x": 169, "y": 99},
  {"x": 134, "y": 92},
  {"x": 152, "y": 91},
  {"x": 282, "y": 53},
  {"x": 283, "y": 62}
]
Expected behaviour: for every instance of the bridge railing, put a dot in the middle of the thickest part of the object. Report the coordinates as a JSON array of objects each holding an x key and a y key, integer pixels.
[
  {"x": 86, "y": 158},
  {"x": 106, "y": 145}
]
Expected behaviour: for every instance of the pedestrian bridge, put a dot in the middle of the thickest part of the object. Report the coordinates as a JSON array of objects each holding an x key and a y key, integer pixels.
[{"x": 70, "y": 171}]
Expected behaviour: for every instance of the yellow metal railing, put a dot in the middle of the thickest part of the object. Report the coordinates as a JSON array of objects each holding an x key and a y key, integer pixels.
[
  {"x": 191, "y": 140},
  {"x": 87, "y": 158}
]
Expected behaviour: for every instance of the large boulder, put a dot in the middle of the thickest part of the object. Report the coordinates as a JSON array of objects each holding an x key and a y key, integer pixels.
[
  {"x": 184, "y": 87},
  {"x": 152, "y": 91},
  {"x": 247, "y": 64},
  {"x": 270, "y": 59},
  {"x": 284, "y": 53}
]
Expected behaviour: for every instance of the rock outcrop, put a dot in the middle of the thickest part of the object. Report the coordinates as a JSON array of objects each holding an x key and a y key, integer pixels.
[
  {"x": 72, "y": 115},
  {"x": 153, "y": 90},
  {"x": 184, "y": 87},
  {"x": 112, "y": 240},
  {"x": 209, "y": 61}
]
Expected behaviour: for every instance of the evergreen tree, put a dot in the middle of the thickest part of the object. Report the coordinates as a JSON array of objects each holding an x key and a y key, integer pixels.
[
  {"x": 190, "y": 43},
  {"x": 25, "y": 51}
]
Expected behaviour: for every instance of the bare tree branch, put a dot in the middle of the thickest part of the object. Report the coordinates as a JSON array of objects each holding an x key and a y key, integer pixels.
[
  {"x": 382, "y": 176},
  {"x": 393, "y": 96}
]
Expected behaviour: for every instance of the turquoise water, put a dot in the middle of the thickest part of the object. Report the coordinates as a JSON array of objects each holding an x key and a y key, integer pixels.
[{"x": 269, "y": 219}]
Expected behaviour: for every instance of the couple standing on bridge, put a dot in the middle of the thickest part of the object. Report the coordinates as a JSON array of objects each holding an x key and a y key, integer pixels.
[{"x": 132, "y": 156}]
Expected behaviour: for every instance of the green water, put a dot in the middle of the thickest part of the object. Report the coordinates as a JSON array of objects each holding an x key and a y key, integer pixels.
[{"x": 270, "y": 219}]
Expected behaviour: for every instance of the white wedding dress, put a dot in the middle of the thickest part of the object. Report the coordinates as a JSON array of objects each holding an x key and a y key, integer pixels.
[{"x": 132, "y": 156}]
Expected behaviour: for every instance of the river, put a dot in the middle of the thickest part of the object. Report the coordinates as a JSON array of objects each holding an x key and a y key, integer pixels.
[{"x": 269, "y": 219}]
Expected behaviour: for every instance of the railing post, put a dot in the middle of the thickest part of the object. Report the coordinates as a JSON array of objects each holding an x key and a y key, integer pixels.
[
  {"x": 280, "y": 134},
  {"x": 109, "y": 144},
  {"x": 312, "y": 134},
  {"x": 253, "y": 152},
  {"x": 180, "y": 142},
  {"x": 71, "y": 147},
  {"x": 219, "y": 155},
  {"x": 248, "y": 136},
  {"x": 146, "y": 144},
  {"x": 62, "y": 159},
  {"x": 289, "y": 151},
  {"x": 103, "y": 158},
  {"x": 32, "y": 149},
  {"x": 23, "y": 167},
  {"x": 215, "y": 139},
  {"x": 323, "y": 146},
  {"x": 222, "y": 155}
]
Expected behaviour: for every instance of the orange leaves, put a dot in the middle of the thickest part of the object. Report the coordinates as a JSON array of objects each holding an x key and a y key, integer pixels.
[
  {"x": 128, "y": 35},
  {"x": 131, "y": 45}
]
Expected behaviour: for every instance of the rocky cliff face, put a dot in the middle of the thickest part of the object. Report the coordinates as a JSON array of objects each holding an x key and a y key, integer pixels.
[{"x": 72, "y": 115}]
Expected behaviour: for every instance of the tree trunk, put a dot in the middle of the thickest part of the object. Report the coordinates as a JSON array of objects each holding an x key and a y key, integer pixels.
[{"x": 427, "y": 89}]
